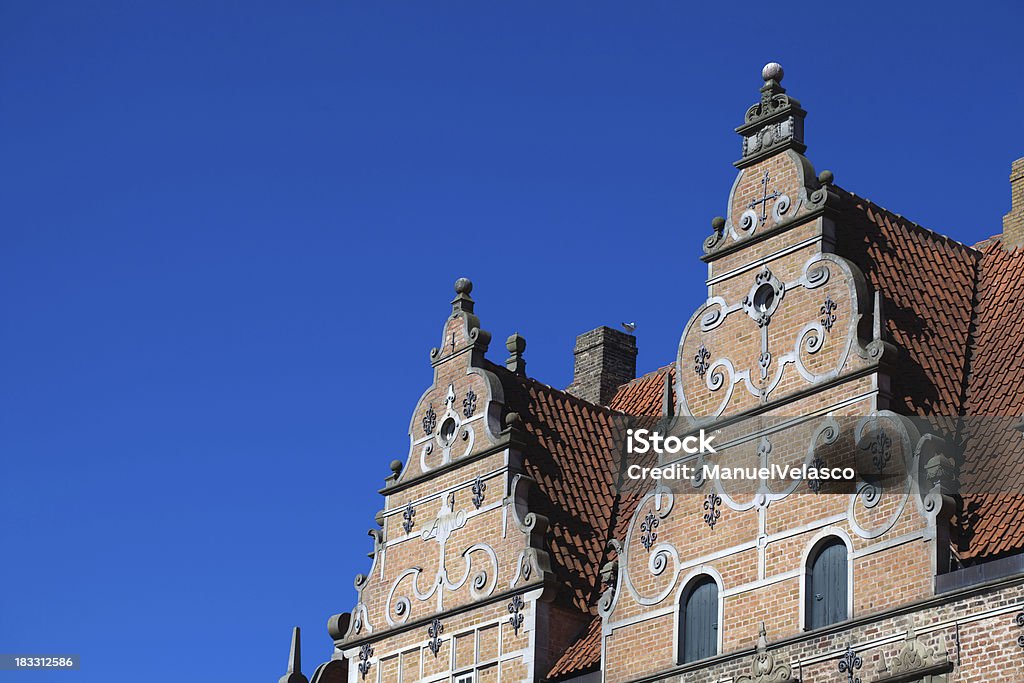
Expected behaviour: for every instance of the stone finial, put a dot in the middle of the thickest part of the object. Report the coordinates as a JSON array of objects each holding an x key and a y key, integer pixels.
[
  {"x": 774, "y": 124},
  {"x": 772, "y": 71},
  {"x": 516, "y": 344},
  {"x": 294, "y": 673},
  {"x": 462, "y": 300},
  {"x": 396, "y": 471},
  {"x": 471, "y": 334}
]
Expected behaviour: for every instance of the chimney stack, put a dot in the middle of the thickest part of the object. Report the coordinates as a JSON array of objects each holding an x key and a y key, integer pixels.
[
  {"x": 1013, "y": 222},
  {"x": 605, "y": 359}
]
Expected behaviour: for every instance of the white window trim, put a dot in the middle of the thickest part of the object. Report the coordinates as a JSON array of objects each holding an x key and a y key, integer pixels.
[{"x": 697, "y": 572}]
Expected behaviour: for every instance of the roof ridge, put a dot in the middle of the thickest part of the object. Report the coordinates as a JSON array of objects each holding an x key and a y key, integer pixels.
[
  {"x": 970, "y": 343},
  {"x": 556, "y": 390},
  {"x": 663, "y": 368},
  {"x": 910, "y": 223}
]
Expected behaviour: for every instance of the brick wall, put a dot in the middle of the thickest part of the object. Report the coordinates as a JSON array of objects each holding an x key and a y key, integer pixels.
[{"x": 970, "y": 635}]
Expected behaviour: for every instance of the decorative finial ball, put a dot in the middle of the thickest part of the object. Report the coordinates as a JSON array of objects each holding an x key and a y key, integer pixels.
[
  {"x": 718, "y": 224},
  {"x": 463, "y": 285},
  {"x": 516, "y": 343},
  {"x": 826, "y": 177},
  {"x": 396, "y": 467},
  {"x": 772, "y": 71}
]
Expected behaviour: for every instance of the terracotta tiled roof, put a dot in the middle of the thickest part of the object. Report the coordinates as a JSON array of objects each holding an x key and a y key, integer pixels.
[
  {"x": 644, "y": 395},
  {"x": 956, "y": 312},
  {"x": 571, "y": 455},
  {"x": 997, "y": 358},
  {"x": 927, "y": 286},
  {"x": 993, "y": 508},
  {"x": 583, "y": 656}
]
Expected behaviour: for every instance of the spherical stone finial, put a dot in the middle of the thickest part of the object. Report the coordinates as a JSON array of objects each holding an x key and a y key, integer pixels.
[
  {"x": 463, "y": 285},
  {"x": 396, "y": 467},
  {"x": 772, "y": 71},
  {"x": 718, "y": 224},
  {"x": 826, "y": 177}
]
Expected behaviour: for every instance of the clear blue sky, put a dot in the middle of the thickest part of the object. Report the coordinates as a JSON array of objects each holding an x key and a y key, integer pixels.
[{"x": 229, "y": 233}]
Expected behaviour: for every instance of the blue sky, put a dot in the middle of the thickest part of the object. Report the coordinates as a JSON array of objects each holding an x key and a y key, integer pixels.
[{"x": 230, "y": 230}]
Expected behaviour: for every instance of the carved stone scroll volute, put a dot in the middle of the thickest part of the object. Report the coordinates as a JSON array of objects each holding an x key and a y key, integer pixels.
[{"x": 534, "y": 562}]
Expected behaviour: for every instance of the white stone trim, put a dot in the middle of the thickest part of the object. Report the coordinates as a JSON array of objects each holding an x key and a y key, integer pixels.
[{"x": 760, "y": 263}]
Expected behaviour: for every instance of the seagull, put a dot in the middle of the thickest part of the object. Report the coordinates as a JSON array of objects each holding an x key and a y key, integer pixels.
[{"x": 629, "y": 327}]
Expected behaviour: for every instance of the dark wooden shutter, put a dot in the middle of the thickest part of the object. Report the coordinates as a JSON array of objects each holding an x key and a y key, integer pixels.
[
  {"x": 826, "y": 586},
  {"x": 699, "y": 622}
]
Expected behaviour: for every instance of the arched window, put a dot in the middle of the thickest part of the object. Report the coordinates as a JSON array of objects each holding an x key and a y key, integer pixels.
[
  {"x": 826, "y": 584},
  {"x": 698, "y": 620}
]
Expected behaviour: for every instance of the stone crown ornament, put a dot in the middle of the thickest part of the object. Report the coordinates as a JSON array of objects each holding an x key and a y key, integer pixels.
[{"x": 773, "y": 124}]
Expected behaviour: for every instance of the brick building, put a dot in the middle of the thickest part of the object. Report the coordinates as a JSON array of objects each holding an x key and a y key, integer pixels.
[{"x": 512, "y": 547}]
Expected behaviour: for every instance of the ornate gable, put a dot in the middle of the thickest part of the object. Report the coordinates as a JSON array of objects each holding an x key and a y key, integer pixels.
[
  {"x": 784, "y": 313},
  {"x": 461, "y": 412},
  {"x": 788, "y": 364},
  {"x": 460, "y": 562}
]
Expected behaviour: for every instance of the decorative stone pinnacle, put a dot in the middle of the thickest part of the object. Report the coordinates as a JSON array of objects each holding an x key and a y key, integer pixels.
[
  {"x": 516, "y": 344},
  {"x": 295, "y": 656},
  {"x": 772, "y": 71},
  {"x": 462, "y": 301},
  {"x": 294, "y": 673},
  {"x": 774, "y": 124},
  {"x": 396, "y": 467}
]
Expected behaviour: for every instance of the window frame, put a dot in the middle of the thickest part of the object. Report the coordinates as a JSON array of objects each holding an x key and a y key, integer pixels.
[
  {"x": 812, "y": 551},
  {"x": 689, "y": 584}
]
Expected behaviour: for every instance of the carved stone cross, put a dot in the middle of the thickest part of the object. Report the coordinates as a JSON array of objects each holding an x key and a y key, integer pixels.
[{"x": 765, "y": 198}]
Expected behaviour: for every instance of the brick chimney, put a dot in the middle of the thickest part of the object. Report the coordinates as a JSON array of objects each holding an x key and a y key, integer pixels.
[
  {"x": 605, "y": 359},
  {"x": 1013, "y": 222}
]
